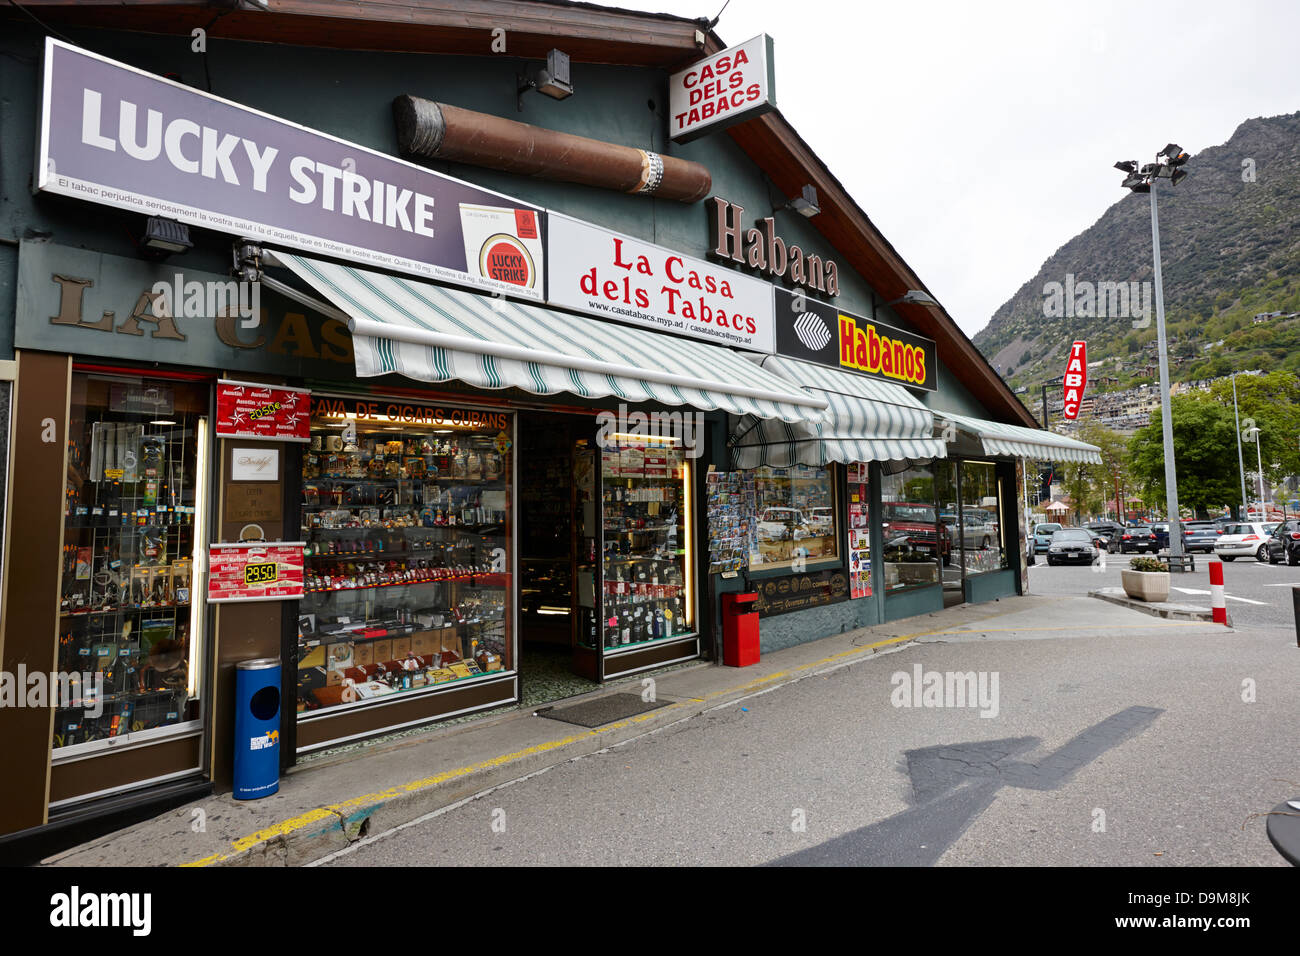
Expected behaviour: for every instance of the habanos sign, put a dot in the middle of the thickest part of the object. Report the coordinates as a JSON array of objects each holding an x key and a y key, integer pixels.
[
  {"x": 1076, "y": 378},
  {"x": 617, "y": 277},
  {"x": 727, "y": 87},
  {"x": 815, "y": 331}
]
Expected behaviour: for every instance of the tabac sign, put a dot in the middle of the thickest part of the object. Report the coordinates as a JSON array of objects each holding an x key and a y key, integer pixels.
[
  {"x": 814, "y": 331},
  {"x": 1076, "y": 379}
]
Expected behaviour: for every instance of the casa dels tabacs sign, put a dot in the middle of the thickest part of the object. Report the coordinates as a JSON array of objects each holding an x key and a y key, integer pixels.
[
  {"x": 815, "y": 331},
  {"x": 725, "y": 88},
  {"x": 1076, "y": 379}
]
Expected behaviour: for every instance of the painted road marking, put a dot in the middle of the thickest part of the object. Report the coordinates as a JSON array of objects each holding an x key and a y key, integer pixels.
[{"x": 1230, "y": 597}]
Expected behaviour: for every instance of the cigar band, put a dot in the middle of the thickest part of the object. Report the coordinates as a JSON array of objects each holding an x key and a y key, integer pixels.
[{"x": 652, "y": 172}]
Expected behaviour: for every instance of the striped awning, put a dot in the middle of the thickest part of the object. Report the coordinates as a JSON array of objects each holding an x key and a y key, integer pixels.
[
  {"x": 1020, "y": 442},
  {"x": 437, "y": 334},
  {"x": 866, "y": 420}
]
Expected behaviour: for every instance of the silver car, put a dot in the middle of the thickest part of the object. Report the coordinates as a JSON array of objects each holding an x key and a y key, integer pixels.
[{"x": 1244, "y": 539}]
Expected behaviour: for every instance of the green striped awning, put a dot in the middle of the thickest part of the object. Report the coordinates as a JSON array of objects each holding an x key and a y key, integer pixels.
[
  {"x": 436, "y": 334},
  {"x": 866, "y": 420},
  {"x": 1021, "y": 442}
]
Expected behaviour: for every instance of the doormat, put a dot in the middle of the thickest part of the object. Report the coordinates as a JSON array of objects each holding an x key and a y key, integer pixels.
[{"x": 602, "y": 710}]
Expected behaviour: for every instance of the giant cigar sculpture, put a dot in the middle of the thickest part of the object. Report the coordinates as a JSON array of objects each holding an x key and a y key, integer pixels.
[{"x": 438, "y": 131}]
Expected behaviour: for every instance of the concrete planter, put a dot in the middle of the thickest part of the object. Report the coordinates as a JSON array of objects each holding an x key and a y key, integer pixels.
[{"x": 1152, "y": 586}]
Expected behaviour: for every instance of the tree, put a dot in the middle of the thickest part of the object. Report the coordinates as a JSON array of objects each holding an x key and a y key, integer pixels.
[
  {"x": 1204, "y": 446},
  {"x": 1114, "y": 467},
  {"x": 1272, "y": 403}
]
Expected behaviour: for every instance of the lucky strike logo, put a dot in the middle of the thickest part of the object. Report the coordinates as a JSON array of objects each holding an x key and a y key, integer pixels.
[
  {"x": 868, "y": 351},
  {"x": 505, "y": 259}
]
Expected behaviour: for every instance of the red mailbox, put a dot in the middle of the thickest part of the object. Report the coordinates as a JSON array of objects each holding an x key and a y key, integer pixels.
[{"x": 739, "y": 630}]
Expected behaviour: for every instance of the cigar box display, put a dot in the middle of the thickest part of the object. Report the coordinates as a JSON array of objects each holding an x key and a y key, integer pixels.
[
  {"x": 130, "y": 531},
  {"x": 407, "y": 533}
]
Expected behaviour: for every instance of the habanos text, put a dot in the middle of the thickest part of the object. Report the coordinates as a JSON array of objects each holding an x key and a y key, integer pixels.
[
  {"x": 716, "y": 88},
  {"x": 684, "y": 292},
  {"x": 871, "y": 352}
]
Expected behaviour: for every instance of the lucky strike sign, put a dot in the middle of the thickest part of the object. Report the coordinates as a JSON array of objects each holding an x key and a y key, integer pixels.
[
  {"x": 115, "y": 135},
  {"x": 727, "y": 87},
  {"x": 1076, "y": 378},
  {"x": 263, "y": 412},
  {"x": 617, "y": 277}
]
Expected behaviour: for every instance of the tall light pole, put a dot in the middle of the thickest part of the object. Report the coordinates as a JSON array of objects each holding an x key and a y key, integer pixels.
[
  {"x": 1241, "y": 468},
  {"x": 1259, "y": 462},
  {"x": 1168, "y": 165}
]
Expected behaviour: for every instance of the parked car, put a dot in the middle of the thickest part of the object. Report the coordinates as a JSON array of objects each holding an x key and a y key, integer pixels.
[
  {"x": 821, "y": 521},
  {"x": 1284, "y": 542},
  {"x": 1139, "y": 540},
  {"x": 1201, "y": 536},
  {"x": 1108, "y": 532},
  {"x": 1072, "y": 546},
  {"x": 782, "y": 524},
  {"x": 979, "y": 528},
  {"x": 915, "y": 524},
  {"x": 1043, "y": 532},
  {"x": 1242, "y": 540}
]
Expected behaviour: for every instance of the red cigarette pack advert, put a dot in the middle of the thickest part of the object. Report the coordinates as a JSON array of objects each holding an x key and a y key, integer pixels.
[
  {"x": 255, "y": 572},
  {"x": 263, "y": 412}
]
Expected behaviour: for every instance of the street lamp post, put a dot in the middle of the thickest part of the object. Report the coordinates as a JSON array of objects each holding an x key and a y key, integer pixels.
[
  {"x": 1259, "y": 463},
  {"x": 1241, "y": 468},
  {"x": 1168, "y": 165}
]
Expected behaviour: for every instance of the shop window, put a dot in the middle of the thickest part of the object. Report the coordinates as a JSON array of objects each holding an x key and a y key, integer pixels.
[
  {"x": 795, "y": 517},
  {"x": 648, "y": 537},
  {"x": 915, "y": 543},
  {"x": 982, "y": 528},
  {"x": 406, "y": 515},
  {"x": 130, "y": 604}
]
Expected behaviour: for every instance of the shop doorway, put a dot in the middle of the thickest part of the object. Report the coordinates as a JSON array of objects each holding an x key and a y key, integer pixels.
[{"x": 556, "y": 552}]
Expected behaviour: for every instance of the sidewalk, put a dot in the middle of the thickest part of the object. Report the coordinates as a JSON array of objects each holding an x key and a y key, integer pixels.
[{"x": 328, "y": 803}]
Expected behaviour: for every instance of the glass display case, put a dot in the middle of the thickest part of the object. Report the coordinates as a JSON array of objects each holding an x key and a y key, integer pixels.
[
  {"x": 646, "y": 558},
  {"x": 407, "y": 561},
  {"x": 130, "y": 606}
]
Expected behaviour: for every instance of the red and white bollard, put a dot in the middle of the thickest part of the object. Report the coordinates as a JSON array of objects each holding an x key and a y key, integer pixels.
[{"x": 1219, "y": 608}]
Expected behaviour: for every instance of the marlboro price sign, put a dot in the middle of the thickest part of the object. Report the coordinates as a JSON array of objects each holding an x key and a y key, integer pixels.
[
  {"x": 1076, "y": 378},
  {"x": 255, "y": 572},
  {"x": 263, "y": 412}
]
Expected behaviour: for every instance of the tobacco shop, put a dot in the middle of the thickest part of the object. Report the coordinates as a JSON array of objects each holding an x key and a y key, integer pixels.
[{"x": 343, "y": 382}]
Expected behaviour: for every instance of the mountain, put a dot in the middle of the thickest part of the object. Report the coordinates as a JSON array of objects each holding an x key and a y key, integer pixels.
[{"x": 1230, "y": 244}]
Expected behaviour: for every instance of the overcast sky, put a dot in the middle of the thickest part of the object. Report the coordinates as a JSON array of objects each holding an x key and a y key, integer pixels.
[{"x": 979, "y": 136}]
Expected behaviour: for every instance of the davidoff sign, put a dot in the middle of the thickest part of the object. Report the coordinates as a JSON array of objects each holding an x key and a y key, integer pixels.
[{"x": 759, "y": 247}]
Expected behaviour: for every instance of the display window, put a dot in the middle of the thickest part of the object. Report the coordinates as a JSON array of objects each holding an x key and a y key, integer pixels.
[
  {"x": 915, "y": 543},
  {"x": 795, "y": 512},
  {"x": 647, "y": 573},
  {"x": 982, "y": 528},
  {"x": 406, "y": 514},
  {"x": 858, "y": 521},
  {"x": 130, "y": 602}
]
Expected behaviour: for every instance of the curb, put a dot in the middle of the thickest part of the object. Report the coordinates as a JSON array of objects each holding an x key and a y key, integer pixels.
[
  {"x": 1170, "y": 612},
  {"x": 325, "y": 830}
]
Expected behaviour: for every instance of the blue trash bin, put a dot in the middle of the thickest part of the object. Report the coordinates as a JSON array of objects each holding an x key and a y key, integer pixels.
[{"x": 257, "y": 728}]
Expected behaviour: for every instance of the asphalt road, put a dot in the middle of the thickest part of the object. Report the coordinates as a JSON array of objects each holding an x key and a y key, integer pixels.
[
  {"x": 1256, "y": 594},
  {"x": 1112, "y": 738}
]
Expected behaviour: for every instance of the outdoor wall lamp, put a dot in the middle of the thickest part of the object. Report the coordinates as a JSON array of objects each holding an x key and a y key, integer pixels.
[
  {"x": 805, "y": 204},
  {"x": 552, "y": 79},
  {"x": 163, "y": 237}
]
